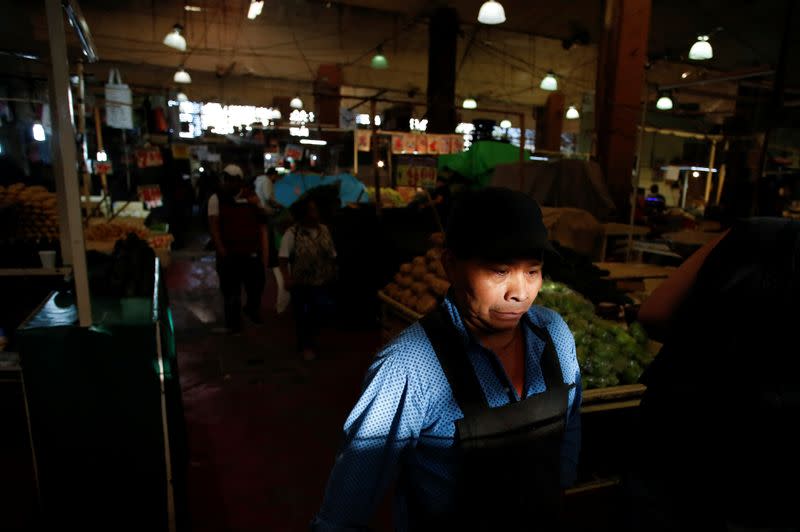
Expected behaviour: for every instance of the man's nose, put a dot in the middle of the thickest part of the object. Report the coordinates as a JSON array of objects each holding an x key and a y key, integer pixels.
[{"x": 516, "y": 287}]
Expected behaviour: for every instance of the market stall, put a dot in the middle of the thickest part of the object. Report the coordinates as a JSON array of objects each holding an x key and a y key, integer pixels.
[
  {"x": 611, "y": 353},
  {"x": 97, "y": 351}
]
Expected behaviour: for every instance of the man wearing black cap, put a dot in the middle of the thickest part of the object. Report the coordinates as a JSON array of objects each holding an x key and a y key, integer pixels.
[{"x": 475, "y": 409}]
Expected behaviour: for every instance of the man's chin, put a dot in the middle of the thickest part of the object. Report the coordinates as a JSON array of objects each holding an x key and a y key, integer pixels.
[{"x": 505, "y": 319}]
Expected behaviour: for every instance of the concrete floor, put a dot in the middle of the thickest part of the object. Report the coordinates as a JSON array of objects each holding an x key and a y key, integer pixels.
[{"x": 263, "y": 425}]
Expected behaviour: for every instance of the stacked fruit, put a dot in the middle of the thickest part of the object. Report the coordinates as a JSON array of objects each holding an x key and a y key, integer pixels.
[
  {"x": 421, "y": 283},
  {"x": 160, "y": 241},
  {"x": 609, "y": 353},
  {"x": 112, "y": 231},
  {"x": 389, "y": 197},
  {"x": 36, "y": 211}
]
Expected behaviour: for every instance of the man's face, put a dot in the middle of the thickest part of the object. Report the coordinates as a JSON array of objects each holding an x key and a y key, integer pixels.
[{"x": 493, "y": 297}]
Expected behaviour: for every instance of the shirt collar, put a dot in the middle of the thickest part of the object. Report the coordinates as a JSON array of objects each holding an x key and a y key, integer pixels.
[{"x": 455, "y": 316}]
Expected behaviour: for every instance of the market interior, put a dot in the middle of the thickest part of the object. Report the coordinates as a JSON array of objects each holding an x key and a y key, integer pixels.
[{"x": 168, "y": 364}]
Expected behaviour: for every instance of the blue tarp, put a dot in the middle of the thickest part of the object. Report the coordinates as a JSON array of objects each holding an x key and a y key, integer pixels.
[{"x": 294, "y": 185}]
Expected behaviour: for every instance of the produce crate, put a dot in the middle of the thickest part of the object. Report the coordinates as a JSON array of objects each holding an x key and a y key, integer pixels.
[{"x": 396, "y": 317}]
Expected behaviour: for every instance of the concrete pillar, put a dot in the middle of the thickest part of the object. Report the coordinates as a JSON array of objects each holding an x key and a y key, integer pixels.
[
  {"x": 550, "y": 123},
  {"x": 327, "y": 94},
  {"x": 618, "y": 94},
  {"x": 442, "y": 47}
]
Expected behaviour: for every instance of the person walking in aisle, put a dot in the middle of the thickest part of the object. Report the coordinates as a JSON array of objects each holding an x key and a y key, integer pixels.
[
  {"x": 308, "y": 264},
  {"x": 240, "y": 237}
]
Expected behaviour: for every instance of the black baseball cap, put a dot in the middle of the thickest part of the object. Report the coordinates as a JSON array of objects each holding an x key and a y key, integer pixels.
[{"x": 497, "y": 224}]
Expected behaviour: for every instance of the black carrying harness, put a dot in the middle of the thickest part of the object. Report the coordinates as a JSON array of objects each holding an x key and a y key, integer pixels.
[{"x": 510, "y": 456}]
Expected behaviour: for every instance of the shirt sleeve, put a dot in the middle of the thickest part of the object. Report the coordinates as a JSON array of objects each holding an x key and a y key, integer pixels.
[
  {"x": 571, "y": 444},
  {"x": 333, "y": 246},
  {"x": 267, "y": 189},
  {"x": 213, "y": 205},
  {"x": 385, "y": 421},
  {"x": 287, "y": 244}
]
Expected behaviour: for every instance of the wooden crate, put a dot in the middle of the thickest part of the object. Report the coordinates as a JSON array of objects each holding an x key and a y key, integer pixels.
[{"x": 395, "y": 317}]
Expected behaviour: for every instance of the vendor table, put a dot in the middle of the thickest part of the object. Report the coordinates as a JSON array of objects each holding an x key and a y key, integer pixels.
[
  {"x": 691, "y": 238},
  {"x": 106, "y": 413},
  {"x": 617, "y": 229},
  {"x": 628, "y": 270}
]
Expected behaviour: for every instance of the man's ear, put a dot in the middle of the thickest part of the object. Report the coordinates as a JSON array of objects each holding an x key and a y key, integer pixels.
[{"x": 449, "y": 263}]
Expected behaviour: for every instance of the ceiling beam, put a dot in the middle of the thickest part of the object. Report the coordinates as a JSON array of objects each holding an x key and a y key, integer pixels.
[{"x": 722, "y": 77}]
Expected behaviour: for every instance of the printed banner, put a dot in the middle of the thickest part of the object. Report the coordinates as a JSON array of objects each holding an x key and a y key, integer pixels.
[
  {"x": 415, "y": 171},
  {"x": 180, "y": 151},
  {"x": 363, "y": 139},
  {"x": 295, "y": 151},
  {"x": 444, "y": 144},
  {"x": 398, "y": 144},
  {"x": 422, "y": 144},
  {"x": 434, "y": 141},
  {"x": 149, "y": 158}
]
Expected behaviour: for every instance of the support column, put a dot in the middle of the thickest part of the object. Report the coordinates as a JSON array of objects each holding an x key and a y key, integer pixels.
[
  {"x": 618, "y": 94},
  {"x": 550, "y": 123},
  {"x": 327, "y": 94},
  {"x": 65, "y": 156},
  {"x": 442, "y": 48}
]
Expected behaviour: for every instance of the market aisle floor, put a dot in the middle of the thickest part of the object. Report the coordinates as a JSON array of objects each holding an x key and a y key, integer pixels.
[{"x": 263, "y": 425}]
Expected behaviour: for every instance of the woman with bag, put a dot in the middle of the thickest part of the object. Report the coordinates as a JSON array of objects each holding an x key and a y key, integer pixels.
[{"x": 308, "y": 264}]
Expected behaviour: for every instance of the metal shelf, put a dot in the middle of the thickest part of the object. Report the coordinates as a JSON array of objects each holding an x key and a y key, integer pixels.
[{"x": 29, "y": 272}]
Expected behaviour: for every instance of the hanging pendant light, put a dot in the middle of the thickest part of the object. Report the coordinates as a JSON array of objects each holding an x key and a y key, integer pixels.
[
  {"x": 181, "y": 97},
  {"x": 379, "y": 61},
  {"x": 181, "y": 76},
  {"x": 701, "y": 50},
  {"x": 664, "y": 102},
  {"x": 470, "y": 103},
  {"x": 296, "y": 103},
  {"x": 572, "y": 113},
  {"x": 549, "y": 82},
  {"x": 174, "y": 39},
  {"x": 38, "y": 132},
  {"x": 505, "y": 124},
  {"x": 256, "y": 6},
  {"x": 492, "y": 12}
]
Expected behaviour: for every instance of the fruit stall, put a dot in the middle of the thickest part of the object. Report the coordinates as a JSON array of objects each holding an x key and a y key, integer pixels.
[
  {"x": 612, "y": 351},
  {"x": 31, "y": 217},
  {"x": 102, "y": 235}
]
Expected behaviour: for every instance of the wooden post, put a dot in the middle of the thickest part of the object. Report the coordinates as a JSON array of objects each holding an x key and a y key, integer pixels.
[
  {"x": 355, "y": 152},
  {"x": 722, "y": 171},
  {"x": 711, "y": 159},
  {"x": 65, "y": 155},
  {"x": 87, "y": 188},
  {"x": 637, "y": 179},
  {"x": 522, "y": 152},
  {"x": 620, "y": 75},
  {"x": 373, "y": 141},
  {"x": 442, "y": 51}
]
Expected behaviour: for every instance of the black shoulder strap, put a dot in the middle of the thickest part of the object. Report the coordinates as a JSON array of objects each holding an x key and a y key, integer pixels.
[
  {"x": 449, "y": 348},
  {"x": 549, "y": 362}
]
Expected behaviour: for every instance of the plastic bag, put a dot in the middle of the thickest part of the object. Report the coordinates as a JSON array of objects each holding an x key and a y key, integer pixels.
[
  {"x": 119, "y": 100},
  {"x": 284, "y": 297}
]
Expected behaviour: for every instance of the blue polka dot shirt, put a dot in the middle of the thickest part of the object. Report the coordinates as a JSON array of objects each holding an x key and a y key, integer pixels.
[{"x": 403, "y": 426}]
